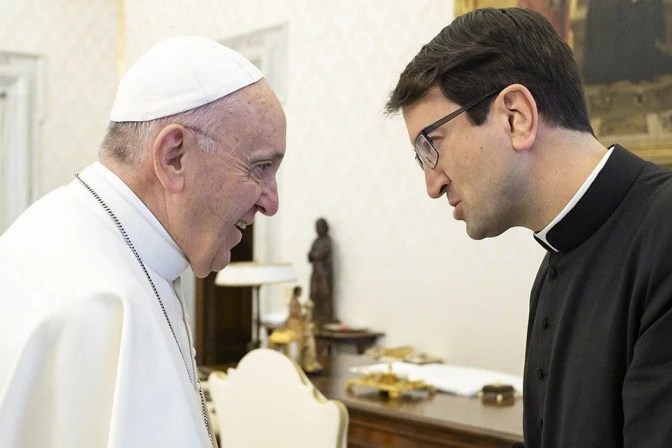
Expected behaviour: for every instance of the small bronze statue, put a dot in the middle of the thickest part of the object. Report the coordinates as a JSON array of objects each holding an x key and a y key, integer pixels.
[{"x": 321, "y": 280}]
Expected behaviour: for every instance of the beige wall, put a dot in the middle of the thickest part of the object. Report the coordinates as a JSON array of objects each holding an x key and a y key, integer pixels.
[
  {"x": 403, "y": 265},
  {"x": 76, "y": 40}
]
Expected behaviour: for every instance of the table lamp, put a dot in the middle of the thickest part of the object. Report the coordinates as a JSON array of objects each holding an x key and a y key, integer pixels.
[{"x": 254, "y": 274}]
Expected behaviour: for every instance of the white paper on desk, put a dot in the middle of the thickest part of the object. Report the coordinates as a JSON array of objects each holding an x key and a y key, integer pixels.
[{"x": 458, "y": 380}]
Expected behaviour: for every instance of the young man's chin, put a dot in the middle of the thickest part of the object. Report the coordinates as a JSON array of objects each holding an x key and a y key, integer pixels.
[{"x": 474, "y": 232}]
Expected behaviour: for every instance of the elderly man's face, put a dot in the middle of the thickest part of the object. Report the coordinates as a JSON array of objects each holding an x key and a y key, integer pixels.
[{"x": 237, "y": 181}]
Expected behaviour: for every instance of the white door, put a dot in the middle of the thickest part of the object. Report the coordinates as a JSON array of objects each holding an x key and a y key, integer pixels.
[
  {"x": 20, "y": 106},
  {"x": 3, "y": 95}
]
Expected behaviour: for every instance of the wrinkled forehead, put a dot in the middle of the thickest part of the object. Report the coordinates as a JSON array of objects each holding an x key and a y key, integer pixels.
[
  {"x": 271, "y": 120},
  {"x": 261, "y": 100},
  {"x": 263, "y": 126},
  {"x": 253, "y": 114}
]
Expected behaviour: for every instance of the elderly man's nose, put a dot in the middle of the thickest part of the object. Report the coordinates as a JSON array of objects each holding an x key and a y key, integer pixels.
[{"x": 269, "y": 202}]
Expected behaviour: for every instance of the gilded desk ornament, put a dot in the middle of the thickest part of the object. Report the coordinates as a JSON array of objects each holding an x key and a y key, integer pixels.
[{"x": 390, "y": 383}]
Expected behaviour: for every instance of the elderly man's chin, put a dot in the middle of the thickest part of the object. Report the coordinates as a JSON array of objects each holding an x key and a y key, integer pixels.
[
  {"x": 223, "y": 257},
  {"x": 222, "y": 260}
]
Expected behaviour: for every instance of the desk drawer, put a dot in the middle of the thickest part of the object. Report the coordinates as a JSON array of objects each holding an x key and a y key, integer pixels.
[{"x": 367, "y": 430}]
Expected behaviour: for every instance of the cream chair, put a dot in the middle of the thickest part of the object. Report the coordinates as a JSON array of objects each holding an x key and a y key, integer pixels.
[{"x": 268, "y": 402}]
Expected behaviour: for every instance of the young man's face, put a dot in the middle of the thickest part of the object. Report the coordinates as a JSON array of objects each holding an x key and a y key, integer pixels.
[{"x": 477, "y": 168}]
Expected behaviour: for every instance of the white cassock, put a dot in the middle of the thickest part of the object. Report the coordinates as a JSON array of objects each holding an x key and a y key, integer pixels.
[{"x": 87, "y": 358}]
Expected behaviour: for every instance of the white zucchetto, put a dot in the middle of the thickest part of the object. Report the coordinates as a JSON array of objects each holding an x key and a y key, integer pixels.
[{"x": 179, "y": 74}]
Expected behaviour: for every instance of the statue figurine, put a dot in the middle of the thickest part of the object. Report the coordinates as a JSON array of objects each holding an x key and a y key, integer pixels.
[
  {"x": 321, "y": 280},
  {"x": 308, "y": 353},
  {"x": 295, "y": 320}
]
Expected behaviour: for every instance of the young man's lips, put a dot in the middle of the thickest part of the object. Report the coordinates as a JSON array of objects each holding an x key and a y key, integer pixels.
[{"x": 458, "y": 213}]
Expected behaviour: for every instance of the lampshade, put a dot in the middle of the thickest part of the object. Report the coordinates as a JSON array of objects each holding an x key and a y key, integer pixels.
[{"x": 252, "y": 273}]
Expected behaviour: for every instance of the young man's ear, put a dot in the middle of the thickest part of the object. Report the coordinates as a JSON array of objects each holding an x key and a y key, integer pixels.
[
  {"x": 522, "y": 115},
  {"x": 168, "y": 154}
]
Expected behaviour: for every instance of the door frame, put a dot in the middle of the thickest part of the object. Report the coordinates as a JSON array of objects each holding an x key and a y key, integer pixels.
[{"x": 21, "y": 80}]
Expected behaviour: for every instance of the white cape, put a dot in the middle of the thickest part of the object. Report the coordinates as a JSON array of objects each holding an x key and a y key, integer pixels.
[{"x": 87, "y": 359}]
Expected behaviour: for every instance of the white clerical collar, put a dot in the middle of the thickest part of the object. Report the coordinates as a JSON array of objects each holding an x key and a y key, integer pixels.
[
  {"x": 570, "y": 205},
  {"x": 153, "y": 243}
]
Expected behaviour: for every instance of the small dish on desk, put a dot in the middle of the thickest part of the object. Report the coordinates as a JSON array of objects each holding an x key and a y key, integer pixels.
[{"x": 343, "y": 328}]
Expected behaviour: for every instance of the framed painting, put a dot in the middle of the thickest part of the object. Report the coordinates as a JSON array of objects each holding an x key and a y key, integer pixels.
[{"x": 624, "y": 52}]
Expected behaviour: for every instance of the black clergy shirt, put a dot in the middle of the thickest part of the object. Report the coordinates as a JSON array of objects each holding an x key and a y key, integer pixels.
[{"x": 598, "y": 363}]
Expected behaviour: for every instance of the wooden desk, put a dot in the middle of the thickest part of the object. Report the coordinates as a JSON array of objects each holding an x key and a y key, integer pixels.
[
  {"x": 362, "y": 340},
  {"x": 414, "y": 421}
]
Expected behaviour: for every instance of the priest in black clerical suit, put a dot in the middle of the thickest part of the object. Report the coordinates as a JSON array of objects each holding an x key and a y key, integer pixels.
[{"x": 494, "y": 109}]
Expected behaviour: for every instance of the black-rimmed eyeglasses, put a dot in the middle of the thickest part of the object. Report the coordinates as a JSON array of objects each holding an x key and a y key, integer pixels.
[{"x": 425, "y": 152}]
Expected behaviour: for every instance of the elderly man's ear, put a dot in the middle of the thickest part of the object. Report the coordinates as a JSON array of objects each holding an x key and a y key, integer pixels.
[{"x": 169, "y": 157}]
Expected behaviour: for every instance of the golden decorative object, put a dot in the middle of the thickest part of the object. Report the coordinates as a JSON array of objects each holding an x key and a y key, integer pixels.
[
  {"x": 390, "y": 383},
  {"x": 422, "y": 358},
  {"x": 308, "y": 354},
  {"x": 393, "y": 352},
  {"x": 283, "y": 338},
  {"x": 404, "y": 353},
  {"x": 299, "y": 330}
]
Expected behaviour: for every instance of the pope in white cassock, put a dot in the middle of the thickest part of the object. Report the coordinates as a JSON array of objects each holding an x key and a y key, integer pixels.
[{"x": 95, "y": 347}]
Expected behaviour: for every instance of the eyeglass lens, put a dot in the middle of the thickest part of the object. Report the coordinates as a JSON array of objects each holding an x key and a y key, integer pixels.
[{"x": 425, "y": 152}]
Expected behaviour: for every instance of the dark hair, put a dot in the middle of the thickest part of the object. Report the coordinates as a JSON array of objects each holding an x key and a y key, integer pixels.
[{"x": 490, "y": 49}]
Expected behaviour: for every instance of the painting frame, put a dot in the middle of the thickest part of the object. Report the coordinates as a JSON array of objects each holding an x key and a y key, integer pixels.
[{"x": 655, "y": 149}]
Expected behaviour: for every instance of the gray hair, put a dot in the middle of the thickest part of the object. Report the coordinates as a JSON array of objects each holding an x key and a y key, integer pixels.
[{"x": 126, "y": 141}]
